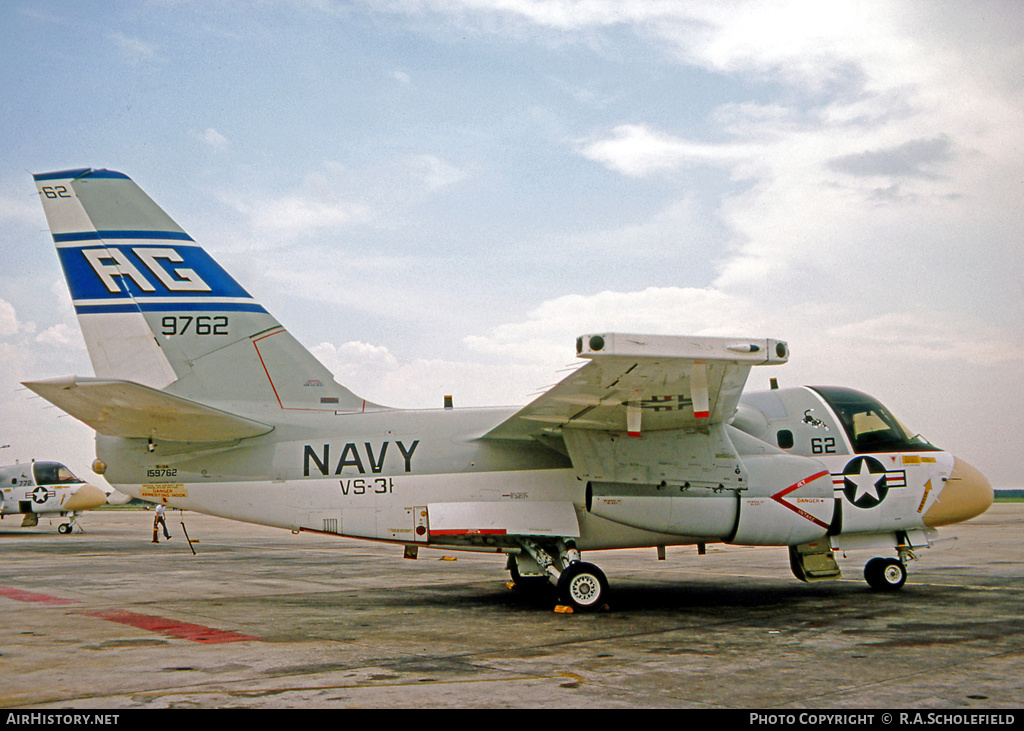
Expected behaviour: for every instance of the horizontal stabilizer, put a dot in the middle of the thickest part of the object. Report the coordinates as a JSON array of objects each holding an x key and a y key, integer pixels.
[{"x": 127, "y": 409}]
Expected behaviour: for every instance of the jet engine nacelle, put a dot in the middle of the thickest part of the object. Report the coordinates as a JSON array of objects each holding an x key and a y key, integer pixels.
[{"x": 789, "y": 501}]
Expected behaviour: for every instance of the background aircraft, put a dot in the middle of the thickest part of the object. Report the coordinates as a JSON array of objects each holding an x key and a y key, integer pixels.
[
  {"x": 202, "y": 400},
  {"x": 46, "y": 488}
]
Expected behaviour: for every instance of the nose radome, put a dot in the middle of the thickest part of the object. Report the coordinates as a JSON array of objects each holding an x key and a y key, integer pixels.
[
  {"x": 86, "y": 497},
  {"x": 967, "y": 494}
]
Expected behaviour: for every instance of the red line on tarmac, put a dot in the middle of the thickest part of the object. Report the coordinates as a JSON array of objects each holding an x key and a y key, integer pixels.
[
  {"x": 21, "y": 595},
  {"x": 170, "y": 627}
]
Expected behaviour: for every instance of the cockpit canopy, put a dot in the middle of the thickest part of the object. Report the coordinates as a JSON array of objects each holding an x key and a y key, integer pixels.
[
  {"x": 870, "y": 426},
  {"x": 53, "y": 473}
]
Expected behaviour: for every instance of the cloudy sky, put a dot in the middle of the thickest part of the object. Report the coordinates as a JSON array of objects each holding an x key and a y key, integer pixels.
[{"x": 438, "y": 196}]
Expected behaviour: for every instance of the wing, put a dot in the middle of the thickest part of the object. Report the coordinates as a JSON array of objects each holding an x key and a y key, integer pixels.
[{"x": 635, "y": 383}]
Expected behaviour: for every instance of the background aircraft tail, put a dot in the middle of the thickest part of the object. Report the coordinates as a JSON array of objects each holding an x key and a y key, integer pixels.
[{"x": 157, "y": 310}]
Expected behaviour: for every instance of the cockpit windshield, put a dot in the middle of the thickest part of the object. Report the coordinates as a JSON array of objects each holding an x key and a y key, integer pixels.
[
  {"x": 870, "y": 426},
  {"x": 53, "y": 473}
]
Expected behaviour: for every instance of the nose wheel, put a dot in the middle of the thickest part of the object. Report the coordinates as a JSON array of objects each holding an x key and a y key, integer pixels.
[
  {"x": 65, "y": 529},
  {"x": 885, "y": 574}
]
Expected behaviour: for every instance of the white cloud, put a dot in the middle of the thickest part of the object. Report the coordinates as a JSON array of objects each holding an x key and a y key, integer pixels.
[
  {"x": 636, "y": 151},
  {"x": 549, "y": 333},
  {"x": 213, "y": 138},
  {"x": 62, "y": 335},
  {"x": 927, "y": 337},
  {"x": 293, "y": 216},
  {"x": 20, "y": 209},
  {"x": 321, "y": 203},
  {"x": 8, "y": 319},
  {"x": 434, "y": 172},
  {"x": 354, "y": 359},
  {"x": 135, "y": 49},
  {"x": 373, "y": 373}
]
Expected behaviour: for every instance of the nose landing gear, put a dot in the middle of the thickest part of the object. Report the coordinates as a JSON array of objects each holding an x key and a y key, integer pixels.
[{"x": 885, "y": 574}]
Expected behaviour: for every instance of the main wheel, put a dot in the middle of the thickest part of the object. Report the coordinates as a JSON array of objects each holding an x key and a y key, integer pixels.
[
  {"x": 583, "y": 586},
  {"x": 64, "y": 528},
  {"x": 885, "y": 574}
]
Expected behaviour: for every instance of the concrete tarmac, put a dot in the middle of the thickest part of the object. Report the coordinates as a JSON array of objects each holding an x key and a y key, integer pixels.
[{"x": 262, "y": 618}]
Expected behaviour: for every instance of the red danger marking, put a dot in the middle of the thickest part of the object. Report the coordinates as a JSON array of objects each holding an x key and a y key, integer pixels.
[{"x": 171, "y": 627}]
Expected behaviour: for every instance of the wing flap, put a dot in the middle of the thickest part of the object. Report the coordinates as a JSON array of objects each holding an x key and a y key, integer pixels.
[{"x": 127, "y": 409}]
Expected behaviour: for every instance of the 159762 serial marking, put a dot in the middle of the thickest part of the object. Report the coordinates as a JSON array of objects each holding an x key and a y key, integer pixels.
[
  {"x": 162, "y": 472},
  {"x": 363, "y": 486}
]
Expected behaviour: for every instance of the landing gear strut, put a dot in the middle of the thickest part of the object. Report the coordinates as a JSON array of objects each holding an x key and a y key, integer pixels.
[{"x": 579, "y": 585}]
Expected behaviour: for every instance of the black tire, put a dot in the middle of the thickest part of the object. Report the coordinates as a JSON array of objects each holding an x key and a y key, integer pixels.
[
  {"x": 885, "y": 574},
  {"x": 64, "y": 529},
  {"x": 583, "y": 587}
]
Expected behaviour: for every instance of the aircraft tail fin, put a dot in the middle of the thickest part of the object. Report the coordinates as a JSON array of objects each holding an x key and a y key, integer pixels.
[{"x": 157, "y": 310}]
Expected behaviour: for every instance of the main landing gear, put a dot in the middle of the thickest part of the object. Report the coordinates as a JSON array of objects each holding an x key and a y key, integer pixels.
[{"x": 579, "y": 585}]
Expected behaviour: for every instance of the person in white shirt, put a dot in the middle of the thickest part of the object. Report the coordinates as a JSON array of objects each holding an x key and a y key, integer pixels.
[{"x": 160, "y": 520}]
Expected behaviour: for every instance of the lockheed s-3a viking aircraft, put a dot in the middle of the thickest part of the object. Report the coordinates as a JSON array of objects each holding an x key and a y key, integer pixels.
[
  {"x": 202, "y": 400},
  {"x": 31, "y": 489}
]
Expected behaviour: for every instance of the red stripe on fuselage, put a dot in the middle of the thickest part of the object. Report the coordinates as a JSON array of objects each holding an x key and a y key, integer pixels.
[{"x": 779, "y": 497}]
